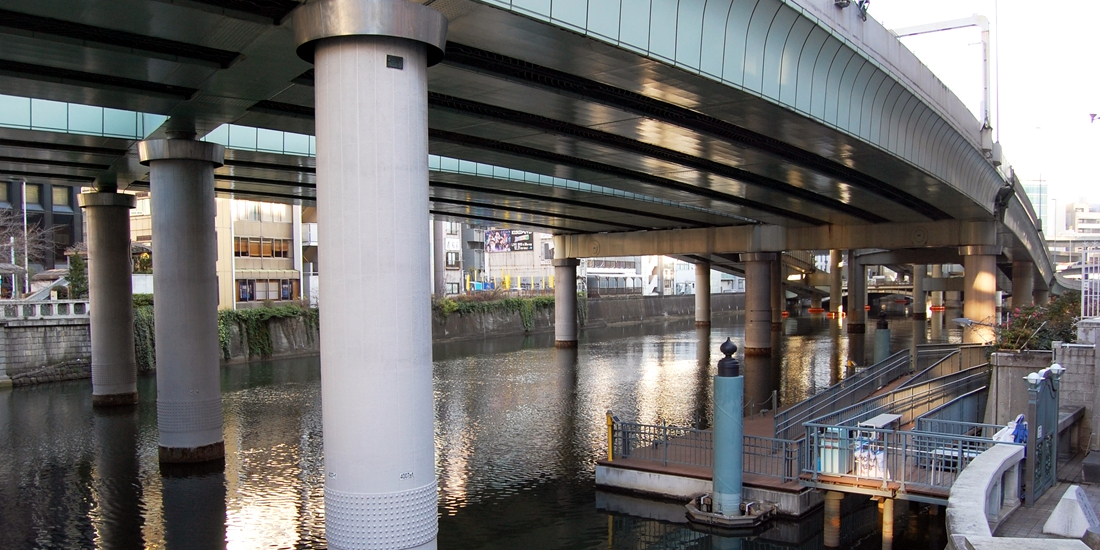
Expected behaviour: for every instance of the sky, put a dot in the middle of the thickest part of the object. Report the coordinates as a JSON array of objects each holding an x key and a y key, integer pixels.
[{"x": 1049, "y": 63}]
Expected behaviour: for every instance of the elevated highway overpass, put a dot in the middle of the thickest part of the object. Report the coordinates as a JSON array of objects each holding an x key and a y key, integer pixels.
[{"x": 724, "y": 131}]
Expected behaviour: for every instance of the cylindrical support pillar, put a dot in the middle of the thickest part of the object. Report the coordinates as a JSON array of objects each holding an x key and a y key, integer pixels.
[
  {"x": 1040, "y": 297},
  {"x": 778, "y": 295},
  {"x": 371, "y": 59},
  {"x": 815, "y": 301},
  {"x": 980, "y": 282},
  {"x": 920, "y": 307},
  {"x": 758, "y": 310},
  {"x": 836, "y": 287},
  {"x": 832, "y": 518},
  {"x": 887, "y": 524},
  {"x": 702, "y": 294},
  {"x": 729, "y": 396},
  {"x": 1023, "y": 284},
  {"x": 110, "y": 296},
  {"x": 565, "y": 302},
  {"x": 882, "y": 339},
  {"x": 189, "y": 404},
  {"x": 936, "y": 318},
  {"x": 857, "y": 294}
]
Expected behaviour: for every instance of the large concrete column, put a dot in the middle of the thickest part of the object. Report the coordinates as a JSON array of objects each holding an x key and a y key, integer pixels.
[
  {"x": 937, "y": 308},
  {"x": 920, "y": 306},
  {"x": 778, "y": 295},
  {"x": 979, "y": 265},
  {"x": 758, "y": 310},
  {"x": 1040, "y": 297},
  {"x": 110, "y": 293},
  {"x": 1023, "y": 284},
  {"x": 836, "y": 286},
  {"x": 702, "y": 294},
  {"x": 857, "y": 294},
  {"x": 189, "y": 404},
  {"x": 565, "y": 302},
  {"x": 371, "y": 59},
  {"x": 815, "y": 301}
]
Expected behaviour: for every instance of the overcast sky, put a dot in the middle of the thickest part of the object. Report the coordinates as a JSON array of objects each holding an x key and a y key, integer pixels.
[{"x": 1049, "y": 64}]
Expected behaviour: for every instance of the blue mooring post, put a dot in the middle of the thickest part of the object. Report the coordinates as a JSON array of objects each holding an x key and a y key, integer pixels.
[
  {"x": 882, "y": 338},
  {"x": 729, "y": 441}
]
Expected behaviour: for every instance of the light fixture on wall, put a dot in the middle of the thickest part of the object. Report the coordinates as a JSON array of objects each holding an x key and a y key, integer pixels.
[{"x": 861, "y": 4}]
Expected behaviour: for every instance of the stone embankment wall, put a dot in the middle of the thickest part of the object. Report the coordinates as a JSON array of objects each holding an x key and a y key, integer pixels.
[
  {"x": 36, "y": 351},
  {"x": 289, "y": 337},
  {"x": 1079, "y": 383},
  {"x": 594, "y": 312}
]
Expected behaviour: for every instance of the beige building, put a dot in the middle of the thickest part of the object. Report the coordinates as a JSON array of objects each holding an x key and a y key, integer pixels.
[{"x": 259, "y": 248}]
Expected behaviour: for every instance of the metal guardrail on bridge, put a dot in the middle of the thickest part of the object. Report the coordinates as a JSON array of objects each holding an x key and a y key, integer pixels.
[
  {"x": 675, "y": 445},
  {"x": 21, "y": 310}
]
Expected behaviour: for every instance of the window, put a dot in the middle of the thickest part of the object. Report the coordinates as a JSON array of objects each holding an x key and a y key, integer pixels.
[
  {"x": 246, "y": 290},
  {"x": 33, "y": 194},
  {"x": 246, "y": 210},
  {"x": 451, "y": 228},
  {"x": 4, "y": 190},
  {"x": 452, "y": 288},
  {"x": 254, "y": 247},
  {"x": 240, "y": 246},
  {"x": 61, "y": 197},
  {"x": 453, "y": 260}
]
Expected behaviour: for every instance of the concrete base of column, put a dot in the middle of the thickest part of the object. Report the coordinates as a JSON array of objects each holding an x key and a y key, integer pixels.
[
  {"x": 757, "y": 352},
  {"x": 568, "y": 343},
  {"x": 857, "y": 328},
  {"x": 702, "y": 323},
  {"x": 887, "y": 524},
  {"x": 115, "y": 399},
  {"x": 178, "y": 455}
]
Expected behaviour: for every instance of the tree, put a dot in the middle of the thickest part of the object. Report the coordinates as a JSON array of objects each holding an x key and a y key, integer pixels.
[
  {"x": 78, "y": 277},
  {"x": 33, "y": 242}
]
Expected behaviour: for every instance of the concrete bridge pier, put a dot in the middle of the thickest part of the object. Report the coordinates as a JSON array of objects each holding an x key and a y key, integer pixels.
[
  {"x": 836, "y": 289},
  {"x": 565, "y": 303},
  {"x": 758, "y": 315},
  {"x": 371, "y": 59},
  {"x": 815, "y": 301},
  {"x": 189, "y": 404},
  {"x": 778, "y": 295},
  {"x": 920, "y": 307},
  {"x": 110, "y": 292},
  {"x": 857, "y": 295},
  {"x": 980, "y": 282},
  {"x": 1040, "y": 297},
  {"x": 936, "y": 319},
  {"x": 702, "y": 294},
  {"x": 1023, "y": 283}
]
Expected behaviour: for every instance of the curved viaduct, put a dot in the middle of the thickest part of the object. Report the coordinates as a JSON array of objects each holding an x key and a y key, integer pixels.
[{"x": 724, "y": 131}]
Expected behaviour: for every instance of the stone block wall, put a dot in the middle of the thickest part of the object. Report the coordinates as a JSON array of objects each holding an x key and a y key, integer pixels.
[
  {"x": 45, "y": 350},
  {"x": 1078, "y": 385}
]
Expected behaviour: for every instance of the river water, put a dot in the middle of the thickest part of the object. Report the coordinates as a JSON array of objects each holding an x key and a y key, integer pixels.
[{"x": 519, "y": 426}]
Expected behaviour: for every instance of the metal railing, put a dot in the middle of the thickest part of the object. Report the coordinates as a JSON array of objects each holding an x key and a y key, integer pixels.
[
  {"x": 17, "y": 310},
  {"x": 675, "y": 445},
  {"x": 959, "y": 358},
  {"x": 847, "y": 392},
  {"x": 913, "y": 401},
  {"x": 955, "y": 427},
  {"x": 907, "y": 460}
]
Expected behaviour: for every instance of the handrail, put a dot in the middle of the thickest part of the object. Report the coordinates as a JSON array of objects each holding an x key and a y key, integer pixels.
[
  {"x": 906, "y": 401},
  {"x": 848, "y": 391},
  {"x": 906, "y": 460},
  {"x": 664, "y": 444}
]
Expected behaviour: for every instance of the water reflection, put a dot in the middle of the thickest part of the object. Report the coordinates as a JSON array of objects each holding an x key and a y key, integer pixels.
[{"x": 519, "y": 426}]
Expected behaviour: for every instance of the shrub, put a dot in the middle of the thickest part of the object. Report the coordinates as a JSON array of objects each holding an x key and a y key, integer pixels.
[
  {"x": 1037, "y": 327},
  {"x": 479, "y": 305}
]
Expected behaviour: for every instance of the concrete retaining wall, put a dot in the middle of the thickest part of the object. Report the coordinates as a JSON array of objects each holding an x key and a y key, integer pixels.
[
  {"x": 45, "y": 350},
  {"x": 598, "y": 312},
  {"x": 1078, "y": 387},
  {"x": 1008, "y": 391},
  {"x": 289, "y": 337}
]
